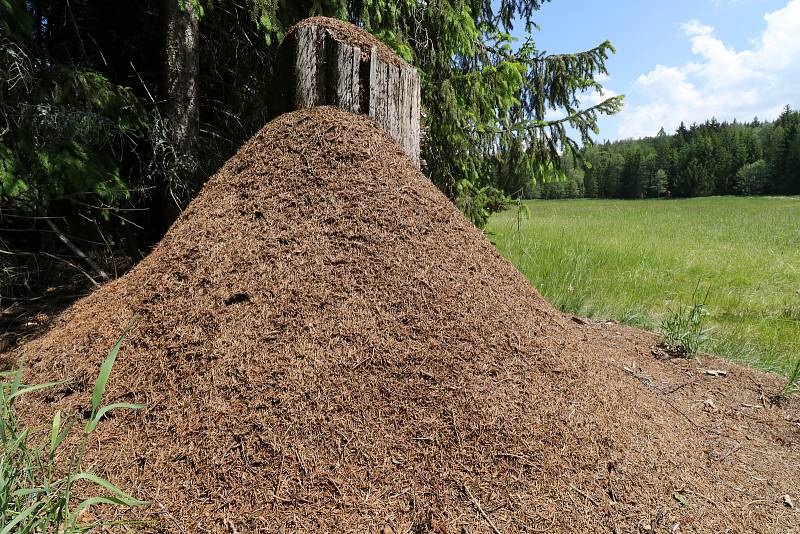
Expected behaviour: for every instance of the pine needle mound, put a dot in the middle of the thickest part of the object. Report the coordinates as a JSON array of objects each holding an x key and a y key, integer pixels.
[
  {"x": 354, "y": 36},
  {"x": 325, "y": 344}
]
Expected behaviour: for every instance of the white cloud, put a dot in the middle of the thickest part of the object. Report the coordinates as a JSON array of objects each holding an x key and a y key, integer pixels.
[
  {"x": 721, "y": 82},
  {"x": 594, "y": 97},
  {"x": 695, "y": 27}
]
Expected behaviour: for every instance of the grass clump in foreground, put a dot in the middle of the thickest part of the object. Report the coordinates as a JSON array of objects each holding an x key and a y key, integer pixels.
[
  {"x": 38, "y": 478},
  {"x": 683, "y": 330},
  {"x": 635, "y": 260},
  {"x": 792, "y": 385}
]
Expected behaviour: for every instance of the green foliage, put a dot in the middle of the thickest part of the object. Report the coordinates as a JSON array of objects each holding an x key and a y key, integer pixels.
[
  {"x": 488, "y": 101},
  {"x": 658, "y": 185},
  {"x": 479, "y": 203},
  {"x": 683, "y": 329},
  {"x": 14, "y": 21},
  {"x": 707, "y": 159},
  {"x": 791, "y": 386},
  {"x": 751, "y": 178},
  {"x": 60, "y": 131},
  {"x": 39, "y": 480},
  {"x": 550, "y": 182},
  {"x": 399, "y": 45},
  {"x": 9, "y": 273},
  {"x": 84, "y": 137}
]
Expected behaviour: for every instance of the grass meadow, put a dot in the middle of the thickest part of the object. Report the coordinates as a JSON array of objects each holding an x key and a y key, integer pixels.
[{"x": 634, "y": 260}]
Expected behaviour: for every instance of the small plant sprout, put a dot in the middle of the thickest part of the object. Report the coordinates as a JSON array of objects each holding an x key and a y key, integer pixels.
[
  {"x": 792, "y": 385},
  {"x": 523, "y": 212},
  {"x": 683, "y": 330},
  {"x": 36, "y": 487}
]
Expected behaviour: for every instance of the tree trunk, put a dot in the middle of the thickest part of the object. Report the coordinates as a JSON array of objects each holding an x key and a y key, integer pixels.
[
  {"x": 181, "y": 111},
  {"x": 317, "y": 68}
]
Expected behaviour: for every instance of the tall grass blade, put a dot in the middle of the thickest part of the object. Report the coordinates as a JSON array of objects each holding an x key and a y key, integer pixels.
[
  {"x": 22, "y": 516},
  {"x": 105, "y": 369},
  {"x": 17, "y": 379},
  {"x": 55, "y": 430},
  {"x": 792, "y": 385},
  {"x": 90, "y": 426},
  {"x": 32, "y": 389},
  {"x": 33, "y": 500},
  {"x": 124, "y": 497},
  {"x": 73, "y": 517}
]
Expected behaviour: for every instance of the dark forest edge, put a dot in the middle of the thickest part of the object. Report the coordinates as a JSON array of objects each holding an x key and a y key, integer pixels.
[
  {"x": 113, "y": 114},
  {"x": 713, "y": 158}
]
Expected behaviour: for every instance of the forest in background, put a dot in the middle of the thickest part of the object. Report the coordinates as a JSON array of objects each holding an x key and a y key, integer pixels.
[{"x": 713, "y": 158}]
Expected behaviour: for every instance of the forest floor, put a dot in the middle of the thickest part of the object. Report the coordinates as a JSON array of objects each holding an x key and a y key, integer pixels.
[
  {"x": 634, "y": 261},
  {"x": 44, "y": 288}
]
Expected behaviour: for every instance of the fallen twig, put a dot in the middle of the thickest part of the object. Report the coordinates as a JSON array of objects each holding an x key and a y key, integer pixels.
[
  {"x": 75, "y": 250},
  {"x": 666, "y": 390},
  {"x": 84, "y": 273},
  {"x": 480, "y": 509},
  {"x": 584, "y": 495},
  {"x": 675, "y": 408},
  {"x": 719, "y": 458}
]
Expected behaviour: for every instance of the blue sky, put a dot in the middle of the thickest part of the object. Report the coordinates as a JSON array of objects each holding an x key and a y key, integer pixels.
[{"x": 684, "y": 60}]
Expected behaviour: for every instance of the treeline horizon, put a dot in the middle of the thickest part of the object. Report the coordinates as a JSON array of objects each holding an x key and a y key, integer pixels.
[{"x": 708, "y": 159}]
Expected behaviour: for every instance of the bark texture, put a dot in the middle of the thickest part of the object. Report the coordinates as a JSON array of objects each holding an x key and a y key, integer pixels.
[
  {"x": 182, "y": 67},
  {"x": 182, "y": 109},
  {"x": 318, "y": 65}
]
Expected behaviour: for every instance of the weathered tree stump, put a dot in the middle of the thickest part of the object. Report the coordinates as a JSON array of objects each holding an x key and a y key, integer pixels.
[{"x": 324, "y": 61}]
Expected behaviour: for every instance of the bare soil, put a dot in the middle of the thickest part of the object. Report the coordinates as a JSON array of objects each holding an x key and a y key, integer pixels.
[{"x": 325, "y": 344}]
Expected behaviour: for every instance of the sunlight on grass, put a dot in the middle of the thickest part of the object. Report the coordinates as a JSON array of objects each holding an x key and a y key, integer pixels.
[{"x": 634, "y": 260}]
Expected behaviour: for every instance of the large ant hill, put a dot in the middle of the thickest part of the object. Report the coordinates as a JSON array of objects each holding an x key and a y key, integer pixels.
[{"x": 324, "y": 343}]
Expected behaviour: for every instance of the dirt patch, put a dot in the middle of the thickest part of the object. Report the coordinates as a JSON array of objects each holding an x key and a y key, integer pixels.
[
  {"x": 353, "y": 35},
  {"x": 325, "y": 344}
]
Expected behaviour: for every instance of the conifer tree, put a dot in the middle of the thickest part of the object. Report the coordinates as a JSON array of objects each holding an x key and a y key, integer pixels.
[{"x": 658, "y": 185}]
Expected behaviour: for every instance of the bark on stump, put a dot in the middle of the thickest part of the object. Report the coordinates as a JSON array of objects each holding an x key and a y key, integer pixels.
[{"x": 329, "y": 62}]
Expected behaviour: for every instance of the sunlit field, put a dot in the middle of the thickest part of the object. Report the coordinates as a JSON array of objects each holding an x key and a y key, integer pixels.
[{"x": 633, "y": 261}]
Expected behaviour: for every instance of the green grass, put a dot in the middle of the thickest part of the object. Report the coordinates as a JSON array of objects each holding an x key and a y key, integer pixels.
[
  {"x": 39, "y": 478},
  {"x": 633, "y": 261},
  {"x": 683, "y": 330}
]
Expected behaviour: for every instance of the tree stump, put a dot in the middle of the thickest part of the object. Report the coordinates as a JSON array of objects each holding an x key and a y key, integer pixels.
[{"x": 324, "y": 61}]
